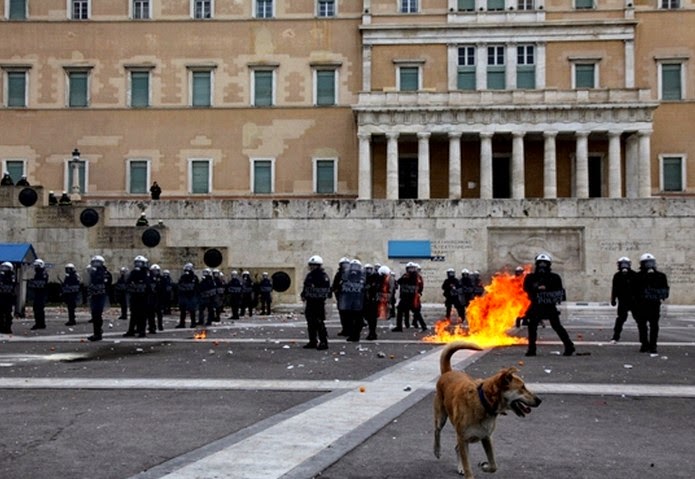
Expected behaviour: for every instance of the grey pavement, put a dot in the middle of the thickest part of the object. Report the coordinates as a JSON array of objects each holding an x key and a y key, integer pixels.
[{"x": 249, "y": 402}]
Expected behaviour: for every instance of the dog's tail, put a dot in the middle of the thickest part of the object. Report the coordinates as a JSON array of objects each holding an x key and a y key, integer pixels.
[{"x": 448, "y": 352}]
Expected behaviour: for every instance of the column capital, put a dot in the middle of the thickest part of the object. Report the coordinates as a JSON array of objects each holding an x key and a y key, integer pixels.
[
  {"x": 614, "y": 133},
  {"x": 392, "y": 135},
  {"x": 645, "y": 132},
  {"x": 582, "y": 134},
  {"x": 363, "y": 135},
  {"x": 455, "y": 134},
  {"x": 550, "y": 134},
  {"x": 518, "y": 134},
  {"x": 424, "y": 135},
  {"x": 487, "y": 135}
]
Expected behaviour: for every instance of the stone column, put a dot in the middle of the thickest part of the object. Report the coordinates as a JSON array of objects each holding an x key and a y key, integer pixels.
[
  {"x": 423, "y": 165},
  {"x": 480, "y": 66},
  {"x": 364, "y": 186},
  {"x": 549, "y": 165},
  {"x": 455, "y": 165},
  {"x": 581, "y": 165},
  {"x": 631, "y": 166},
  {"x": 392, "y": 165},
  {"x": 645, "y": 165},
  {"x": 540, "y": 65},
  {"x": 510, "y": 67},
  {"x": 629, "y": 64},
  {"x": 486, "y": 165},
  {"x": 518, "y": 176},
  {"x": 366, "y": 68},
  {"x": 614, "y": 180}
]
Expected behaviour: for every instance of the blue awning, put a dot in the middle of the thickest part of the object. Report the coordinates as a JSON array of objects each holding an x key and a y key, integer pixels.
[
  {"x": 17, "y": 252},
  {"x": 409, "y": 249}
]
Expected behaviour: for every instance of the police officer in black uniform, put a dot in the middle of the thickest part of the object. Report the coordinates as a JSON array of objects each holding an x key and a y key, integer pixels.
[
  {"x": 247, "y": 293},
  {"x": 97, "y": 290},
  {"x": 265, "y": 293},
  {"x": 158, "y": 296},
  {"x": 139, "y": 290},
  {"x": 623, "y": 294},
  {"x": 71, "y": 288},
  {"x": 338, "y": 278},
  {"x": 352, "y": 299},
  {"x": 188, "y": 295},
  {"x": 651, "y": 289},
  {"x": 545, "y": 291},
  {"x": 234, "y": 288},
  {"x": 38, "y": 286},
  {"x": 8, "y": 296},
  {"x": 120, "y": 293},
  {"x": 450, "y": 288},
  {"x": 208, "y": 289},
  {"x": 372, "y": 287},
  {"x": 316, "y": 289}
]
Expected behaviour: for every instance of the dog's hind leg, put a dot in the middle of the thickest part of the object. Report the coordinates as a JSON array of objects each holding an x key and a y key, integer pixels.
[
  {"x": 490, "y": 465},
  {"x": 464, "y": 462},
  {"x": 440, "y": 418}
]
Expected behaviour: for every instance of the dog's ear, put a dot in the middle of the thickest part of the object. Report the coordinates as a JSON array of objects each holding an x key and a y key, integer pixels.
[{"x": 507, "y": 375}]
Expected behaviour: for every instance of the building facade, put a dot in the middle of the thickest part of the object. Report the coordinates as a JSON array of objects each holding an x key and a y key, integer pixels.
[{"x": 364, "y": 99}]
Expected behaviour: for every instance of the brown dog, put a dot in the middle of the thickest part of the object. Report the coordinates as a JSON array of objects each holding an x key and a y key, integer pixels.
[{"x": 473, "y": 406}]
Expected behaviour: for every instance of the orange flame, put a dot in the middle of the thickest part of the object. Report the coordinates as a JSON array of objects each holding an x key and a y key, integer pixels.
[
  {"x": 202, "y": 334},
  {"x": 489, "y": 316}
]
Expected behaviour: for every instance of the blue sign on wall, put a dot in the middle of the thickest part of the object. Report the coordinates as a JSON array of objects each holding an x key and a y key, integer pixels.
[{"x": 409, "y": 249}]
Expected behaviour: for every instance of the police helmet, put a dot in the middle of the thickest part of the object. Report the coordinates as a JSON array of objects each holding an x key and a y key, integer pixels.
[
  {"x": 215, "y": 272},
  {"x": 624, "y": 262},
  {"x": 124, "y": 269},
  {"x": 647, "y": 257},
  {"x": 6, "y": 266},
  {"x": 544, "y": 257},
  {"x": 188, "y": 267},
  {"x": 519, "y": 269},
  {"x": 450, "y": 270},
  {"x": 465, "y": 271},
  {"x": 384, "y": 270},
  {"x": 38, "y": 263},
  {"x": 69, "y": 268},
  {"x": 344, "y": 260},
  {"x": 356, "y": 262},
  {"x": 166, "y": 272},
  {"x": 368, "y": 266},
  {"x": 315, "y": 260},
  {"x": 265, "y": 274},
  {"x": 155, "y": 267},
  {"x": 140, "y": 261},
  {"x": 235, "y": 272},
  {"x": 97, "y": 260},
  {"x": 246, "y": 273},
  {"x": 207, "y": 272},
  {"x": 648, "y": 261}
]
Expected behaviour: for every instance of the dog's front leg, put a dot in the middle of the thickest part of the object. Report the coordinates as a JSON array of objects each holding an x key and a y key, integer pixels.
[
  {"x": 440, "y": 418},
  {"x": 490, "y": 465},
  {"x": 464, "y": 462}
]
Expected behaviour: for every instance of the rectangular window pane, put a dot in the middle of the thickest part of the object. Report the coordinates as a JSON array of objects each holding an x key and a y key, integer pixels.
[
  {"x": 138, "y": 177},
  {"x": 139, "y": 89},
  {"x": 264, "y": 8},
  {"x": 78, "y": 89},
  {"x": 524, "y": 5},
  {"x": 201, "y": 89},
  {"x": 200, "y": 176},
  {"x": 408, "y": 6},
  {"x": 466, "y": 5},
  {"x": 18, "y": 10},
  {"x": 670, "y": 4},
  {"x": 409, "y": 78},
  {"x": 466, "y": 78},
  {"x": 325, "y": 176},
  {"x": 583, "y": 4},
  {"x": 82, "y": 171},
  {"x": 15, "y": 169},
  {"x": 202, "y": 9},
  {"x": 584, "y": 75},
  {"x": 262, "y": 177},
  {"x": 496, "y": 78},
  {"x": 326, "y": 8},
  {"x": 467, "y": 56},
  {"x": 80, "y": 9},
  {"x": 495, "y": 4},
  {"x": 671, "y": 81},
  {"x": 263, "y": 88},
  {"x": 141, "y": 9},
  {"x": 526, "y": 77},
  {"x": 673, "y": 180},
  {"x": 16, "y": 89},
  {"x": 325, "y": 87}
]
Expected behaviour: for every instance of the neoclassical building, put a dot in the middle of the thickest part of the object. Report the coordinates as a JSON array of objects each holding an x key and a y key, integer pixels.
[{"x": 367, "y": 99}]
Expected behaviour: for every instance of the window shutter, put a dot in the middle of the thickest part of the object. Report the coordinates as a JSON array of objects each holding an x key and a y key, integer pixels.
[
  {"x": 325, "y": 176},
  {"x": 138, "y": 177},
  {"x": 82, "y": 169},
  {"x": 139, "y": 89},
  {"x": 496, "y": 78},
  {"x": 262, "y": 177},
  {"x": 672, "y": 172},
  {"x": 201, "y": 88},
  {"x": 583, "y": 4},
  {"x": 671, "y": 81},
  {"x": 495, "y": 4},
  {"x": 466, "y": 5},
  {"x": 263, "y": 88},
  {"x": 18, "y": 10},
  {"x": 466, "y": 78},
  {"x": 584, "y": 76},
  {"x": 409, "y": 78},
  {"x": 16, "y": 89},
  {"x": 200, "y": 177},
  {"x": 15, "y": 169},
  {"x": 325, "y": 87},
  {"x": 78, "y": 89},
  {"x": 526, "y": 77}
]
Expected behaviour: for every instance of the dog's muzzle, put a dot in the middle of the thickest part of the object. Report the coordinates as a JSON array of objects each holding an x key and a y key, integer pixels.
[{"x": 521, "y": 408}]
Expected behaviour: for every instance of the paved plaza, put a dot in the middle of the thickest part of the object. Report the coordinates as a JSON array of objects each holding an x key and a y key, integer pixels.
[{"x": 249, "y": 402}]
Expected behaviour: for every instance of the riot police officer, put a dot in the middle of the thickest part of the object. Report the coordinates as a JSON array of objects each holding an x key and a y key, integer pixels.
[
  {"x": 316, "y": 289},
  {"x": 168, "y": 286},
  {"x": 188, "y": 295},
  {"x": 651, "y": 289},
  {"x": 411, "y": 285},
  {"x": 450, "y": 288},
  {"x": 139, "y": 293},
  {"x": 71, "y": 288},
  {"x": 372, "y": 286},
  {"x": 120, "y": 293},
  {"x": 247, "y": 293},
  {"x": 208, "y": 290},
  {"x": 8, "y": 296},
  {"x": 352, "y": 299},
  {"x": 234, "y": 290},
  {"x": 158, "y": 295},
  {"x": 265, "y": 293},
  {"x": 38, "y": 286},
  {"x": 623, "y": 294},
  {"x": 545, "y": 291},
  {"x": 218, "y": 278},
  {"x": 97, "y": 290},
  {"x": 338, "y": 277}
]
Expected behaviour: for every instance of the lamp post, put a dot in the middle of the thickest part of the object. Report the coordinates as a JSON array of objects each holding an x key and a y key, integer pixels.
[{"x": 75, "y": 166}]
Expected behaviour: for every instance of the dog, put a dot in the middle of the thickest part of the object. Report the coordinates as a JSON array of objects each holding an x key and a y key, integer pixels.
[{"x": 473, "y": 405}]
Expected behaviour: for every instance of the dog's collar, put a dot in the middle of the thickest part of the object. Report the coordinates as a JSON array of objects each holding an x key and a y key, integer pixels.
[{"x": 483, "y": 400}]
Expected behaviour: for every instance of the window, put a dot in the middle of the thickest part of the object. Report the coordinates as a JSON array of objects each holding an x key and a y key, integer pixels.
[
  {"x": 495, "y": 5},
  {"x": 325, "y": 176},
  {"x": 583, "y": 4},
  {"x": 466, "y": 69},
  {"x": 409, "y": 6},
  {"x": 408, "y": 78},
  {"x": 15, "y": 168},
  {"x": 202, "y": 9},
  {"x": 262, "y": 173},
  {"x": 325, "y": 8},
  {"x": 672, "y": 173},
  {"x": 201, "y": 88},
  {"x": 495, "y": 68},
  {"x": 525, "y": 5},
  {"x": 671, "y": 81},
  {"x": 670, "y": 4},
  {"x": 78, "y": 88},
  {"x": 141, "y": 9},
  {"x": 16, "y": 88},
  {"x": 585, "y": 75},
  {"x": 466, "y": 5},
  {"x": 325, "y": 87},
  {"x": 200, "y": 176},
  {"x": 83, "y": 172},
  {"x": 17, "y": 10},
  {"x": 525, "y": 67},
  {"x": 139, "y": 89},
  {"x": 263, "y": 93},
  {"x": 264, "y": 8},
  {"x": 138, "y": 177},
  {"x": 79, "y": 9}
]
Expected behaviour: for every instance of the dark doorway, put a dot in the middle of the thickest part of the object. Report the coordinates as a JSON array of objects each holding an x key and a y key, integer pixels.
[
  {"x": 595, "y": 176},
  {"x": 407, "y": 178},
  {"x": 501, "y": 177}
]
